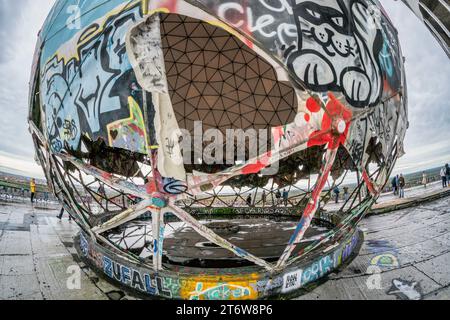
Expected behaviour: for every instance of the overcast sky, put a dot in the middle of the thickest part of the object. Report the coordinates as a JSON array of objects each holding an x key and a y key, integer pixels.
[{"x": 427, "y": 67}]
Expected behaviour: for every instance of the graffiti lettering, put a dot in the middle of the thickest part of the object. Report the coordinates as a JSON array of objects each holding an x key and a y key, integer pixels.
[
  {"x": 150, "y": 284},
  {"x": 64, "y": 83},
  {"x": 292, "y": 281},
  {"x": 222, "y": 291},
  {"x": 260, "y": 18}
]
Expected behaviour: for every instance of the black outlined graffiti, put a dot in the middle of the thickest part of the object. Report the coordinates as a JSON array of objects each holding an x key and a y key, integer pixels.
[
  {"x": 172, "y": 186},
  {"x": 269, "y": 21},
  {"x": 170, "y": 146},
  {"x": 338, "y": 43},
  {"x": 405, "y": 290},
  {"x": 70, "y": 129},
  {"x": 357, "y": 146},
  {"x": 346, "y": 46},
  {"x": 67, "y": 83}
]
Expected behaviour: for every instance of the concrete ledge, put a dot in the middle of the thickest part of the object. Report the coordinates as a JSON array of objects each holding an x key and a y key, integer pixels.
[
  {"x": 400, "y": 204},
  {"x": 248, "y": 283}
]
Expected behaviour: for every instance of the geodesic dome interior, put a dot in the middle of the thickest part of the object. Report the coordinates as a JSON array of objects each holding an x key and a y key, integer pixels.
[{"x": 216, "y": 78}]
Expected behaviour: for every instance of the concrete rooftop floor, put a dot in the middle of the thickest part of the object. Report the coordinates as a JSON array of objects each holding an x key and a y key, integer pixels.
[{"x": 405, "y": 256}]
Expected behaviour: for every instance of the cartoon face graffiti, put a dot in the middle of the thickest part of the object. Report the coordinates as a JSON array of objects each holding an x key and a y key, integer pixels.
[
  {"x": 405, "y": 290},
  {"x": 336, "y": 49},
  {"x": 327, "y": 26}
]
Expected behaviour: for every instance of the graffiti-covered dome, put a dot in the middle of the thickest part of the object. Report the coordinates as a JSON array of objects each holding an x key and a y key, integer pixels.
[{"x": 174, "y": 107}]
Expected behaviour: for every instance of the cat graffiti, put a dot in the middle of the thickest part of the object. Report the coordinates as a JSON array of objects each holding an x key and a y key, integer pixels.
[
  {"x": 405, "y": 290},
  {"x": 339, "y": 43}
]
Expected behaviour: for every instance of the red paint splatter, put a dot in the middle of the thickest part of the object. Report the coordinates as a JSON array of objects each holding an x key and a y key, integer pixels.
[
  {"x": 278, "y": 134},
  {"x": 368, "y": 182},
  {"x": 151, "y": 186},
  {"x": 311, "y": 207},
  {"x": 106, "y": 176},
  {"x": 255, "y": 168},
  {"x": 136, "y": 129},
  {"x": 307, "y": 117},
  {"x": 171, "y": 5},
  {"x": 312, "y": 105},
  {"x": 335, "y": 111}
]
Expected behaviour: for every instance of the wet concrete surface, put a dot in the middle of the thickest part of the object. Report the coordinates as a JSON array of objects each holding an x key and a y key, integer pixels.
[
  {"x": 405, "y": 256},
  {"x": 36, "y": 254}
]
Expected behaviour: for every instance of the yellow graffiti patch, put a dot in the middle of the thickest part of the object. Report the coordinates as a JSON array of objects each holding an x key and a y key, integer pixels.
[
  {"x": 145, "y": 4},
  {"x": 385, "y": 260},
  {"x": 129, "y": 133},
  {"x": 220, "y": 288}
]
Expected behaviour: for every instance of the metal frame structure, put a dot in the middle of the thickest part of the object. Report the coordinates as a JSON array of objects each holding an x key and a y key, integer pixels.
[
  {"x": 66, "y": 183},
  {"x": 103, "y": 202}
]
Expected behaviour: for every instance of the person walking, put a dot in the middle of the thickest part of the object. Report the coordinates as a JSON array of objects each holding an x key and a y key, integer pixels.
[
  {"x": 346, "y": 194},
  {"x": 394, "y": 185},
  {"x": 443, "y": 175},
  {"x": 61, "y": 215},
  {"x": 397, "y": 182},
  {"x": 32, "y": 189},
  {"x": 447, "y": 173},
  {"x": 336, "y": 193},
  {"x": 102, "y": 195},
  {"x": 424, "y": 179},
  {"x": 264, "y": 198},
  {"x": 401, "y": 186},
  {"x": 278, "y": 197},
  {"x": 249, "y": 200},
  {"x": 285, "y": 197}
]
